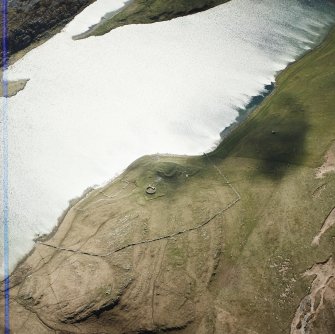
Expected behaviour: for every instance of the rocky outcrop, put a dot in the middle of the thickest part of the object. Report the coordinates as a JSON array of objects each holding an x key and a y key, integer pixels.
[
  {"x": 13, "y": 87},
  {"x": 315, "y": 313}
]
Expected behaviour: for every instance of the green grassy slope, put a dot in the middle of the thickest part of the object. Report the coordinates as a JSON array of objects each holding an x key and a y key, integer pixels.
[
  {"x": 149, "y": 11},
  {"x": 271, "y": 160},
  {"x": 269, "y": 233},
  {"x": 300, "y": 112}
]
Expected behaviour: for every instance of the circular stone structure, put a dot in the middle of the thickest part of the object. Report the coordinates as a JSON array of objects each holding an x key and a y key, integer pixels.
[{"x": 150, "y": 190}]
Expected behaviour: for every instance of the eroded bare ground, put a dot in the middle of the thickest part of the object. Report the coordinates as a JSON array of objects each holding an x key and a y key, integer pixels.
[
  {"x": 328, "y": 223},
  {"x": 313, "y": 306},
  {"x": 329, "y": 164},
  {"x": 126, "y": 261}
]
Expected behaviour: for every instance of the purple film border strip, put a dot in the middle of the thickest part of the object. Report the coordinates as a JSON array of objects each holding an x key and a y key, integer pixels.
[{"x": 5, "y": 202}]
